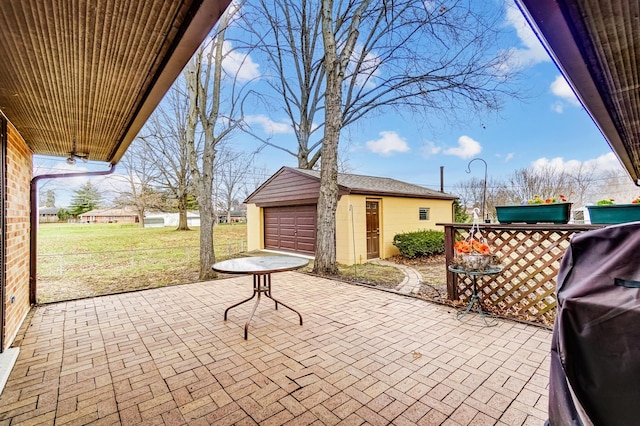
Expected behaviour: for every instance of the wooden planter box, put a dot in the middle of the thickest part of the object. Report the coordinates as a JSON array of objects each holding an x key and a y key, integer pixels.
[
  {"x": 534, "y": 213},
  {"x": 615, "y": 213}
]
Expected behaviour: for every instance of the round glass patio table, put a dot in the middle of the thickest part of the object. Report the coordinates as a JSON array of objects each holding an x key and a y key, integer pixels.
[{"x": 261, "y": 267}]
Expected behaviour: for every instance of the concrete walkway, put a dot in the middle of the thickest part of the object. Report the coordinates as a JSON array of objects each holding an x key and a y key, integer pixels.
[{"x": 412, "y": 278}]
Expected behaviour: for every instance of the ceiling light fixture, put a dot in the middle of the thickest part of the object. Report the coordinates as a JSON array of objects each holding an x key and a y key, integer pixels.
[{"x": 71, "y": 160}]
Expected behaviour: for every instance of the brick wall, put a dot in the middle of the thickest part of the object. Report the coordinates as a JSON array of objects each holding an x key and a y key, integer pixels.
[{"x": 19, "y": 166}]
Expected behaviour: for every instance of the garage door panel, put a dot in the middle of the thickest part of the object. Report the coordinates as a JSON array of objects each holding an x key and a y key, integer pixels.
[
  {"x": 307, "y": 233},
  {"x": 305, "y": 248},
  {"x": 287, "y": 221},
  {"x": 287, "y": 245},
  {"x": 306, "y": 221},
  {"x": 287, "y": 232},
  {"x": 290, "y": 228}
]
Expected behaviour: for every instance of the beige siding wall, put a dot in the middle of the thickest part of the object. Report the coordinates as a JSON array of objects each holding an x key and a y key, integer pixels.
[
  {"x": 397, "y": 215},
  {"x": 255, "y": 241},
  {"x": 19, "y": 166},
  {"x": 345, "y": 230},
  {"x": 401, "y": 215}
]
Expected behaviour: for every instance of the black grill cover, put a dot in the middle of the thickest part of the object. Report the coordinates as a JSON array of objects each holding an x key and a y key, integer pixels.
[{"x": 595, "y": 351}]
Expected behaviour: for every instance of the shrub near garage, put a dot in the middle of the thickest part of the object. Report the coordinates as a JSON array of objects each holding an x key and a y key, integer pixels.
[{"x": 420, "y": 243}]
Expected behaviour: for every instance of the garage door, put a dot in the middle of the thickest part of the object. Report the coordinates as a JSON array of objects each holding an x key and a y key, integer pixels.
[{"x": 290, "y": 228}]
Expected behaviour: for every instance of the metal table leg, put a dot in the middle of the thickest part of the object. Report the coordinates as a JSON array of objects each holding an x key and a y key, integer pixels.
[
  {"x": 261, "y": 284},
  {"x": 475, "y": 300}
]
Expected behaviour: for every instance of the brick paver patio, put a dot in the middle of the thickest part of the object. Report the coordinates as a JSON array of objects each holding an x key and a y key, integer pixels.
[{"x": 363, "y": 356}]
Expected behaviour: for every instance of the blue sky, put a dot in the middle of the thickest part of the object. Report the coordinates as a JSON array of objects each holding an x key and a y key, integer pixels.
[{"x": 548, "y": 126}]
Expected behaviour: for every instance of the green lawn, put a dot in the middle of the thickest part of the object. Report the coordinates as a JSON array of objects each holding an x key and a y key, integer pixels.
[{"x": 83, "y": 260}]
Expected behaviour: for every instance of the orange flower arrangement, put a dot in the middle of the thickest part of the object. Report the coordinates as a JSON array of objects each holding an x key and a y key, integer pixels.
[
  {"x": 472, "y": 246},
  {"x": 539, "y": 200}
]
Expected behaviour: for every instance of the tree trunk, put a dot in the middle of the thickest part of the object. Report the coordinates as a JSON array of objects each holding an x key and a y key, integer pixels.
[
  {"x": 140, "y": 213},
  {"x": 325, "y": 259},
  {"x": 207, "y": 253},
  {"x": 182, "y": 213}
]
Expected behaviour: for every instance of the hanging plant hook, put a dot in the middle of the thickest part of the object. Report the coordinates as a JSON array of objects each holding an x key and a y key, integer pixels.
[{"x": 484, "y": 183}]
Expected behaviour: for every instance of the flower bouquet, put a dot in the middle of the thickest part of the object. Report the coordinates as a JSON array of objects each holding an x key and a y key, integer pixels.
[
  {"x": 473, "y": 253},
  {"x": 537, "y": 199}
]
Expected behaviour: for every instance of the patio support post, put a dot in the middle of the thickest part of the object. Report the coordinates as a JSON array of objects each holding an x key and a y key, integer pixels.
[{"x": 452, "y": 278}]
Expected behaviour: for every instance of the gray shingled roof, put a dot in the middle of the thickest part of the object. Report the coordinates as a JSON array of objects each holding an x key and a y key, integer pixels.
[
  {"x": 48, "y": 210},
  {"x": 380, "y": 185},
  {"x": 109, "y": 212}
]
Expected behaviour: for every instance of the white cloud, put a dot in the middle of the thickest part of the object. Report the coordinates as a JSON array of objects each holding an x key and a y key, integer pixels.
[
  {"x": 531, "y": 52},
  {"x": 557, "y": 107},
  {"x": 466, "y": 148},
  {"x": 429, "y": 148},
  {"x": 509, "y": 157},
  {"x": 368, "y": 69},
  {"x": 560, "y": 88},
  {"x": 234, "y": 62},
  {"x": 239, "y": 64},
  {"x": 605, "y": 162},
  {"x": 269, "y": 126},
  {"x": 388, "y": 143}
]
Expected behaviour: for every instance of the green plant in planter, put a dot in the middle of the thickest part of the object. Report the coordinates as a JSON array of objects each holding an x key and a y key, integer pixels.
[
  {"x": 606, "y": 202},
  {"x": 607, "y": 212}
]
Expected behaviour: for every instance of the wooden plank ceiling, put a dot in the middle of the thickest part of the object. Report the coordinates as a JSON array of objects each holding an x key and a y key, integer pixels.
[
  {"x": 93, "y": 71},
  {"x": 596, "y": 44}
]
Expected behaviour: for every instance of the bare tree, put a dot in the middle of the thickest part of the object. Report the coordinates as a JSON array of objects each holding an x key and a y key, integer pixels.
[
  {"x": 47, "y": 198},
  {"x": 140, "y": 174},
  {"x": 336, "y": 65},
  {"x": 612, "y": 184},
  {"x": 204, "y": 81},
  {"x": 544, "y": 182},
  {"x": 165, "y": 141},
  {"x": 259, "y": 174},
  {"x": 581, "y": 179},
  {"x": 232, "y": 170},
  {"x": 470, "y": 193},
  {"x": 408, "y": 55}
]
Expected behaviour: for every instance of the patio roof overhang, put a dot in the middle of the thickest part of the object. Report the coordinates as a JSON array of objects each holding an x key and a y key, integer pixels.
[
  {"x": 94, "y": 71},
  {"x": 595, "y": 44}
]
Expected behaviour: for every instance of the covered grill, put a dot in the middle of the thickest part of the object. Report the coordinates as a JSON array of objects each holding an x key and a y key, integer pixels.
[{"x": 595, "y": 353}]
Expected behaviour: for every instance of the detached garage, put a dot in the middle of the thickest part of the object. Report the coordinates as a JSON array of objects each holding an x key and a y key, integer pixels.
[{"x": 281, "y": 214}]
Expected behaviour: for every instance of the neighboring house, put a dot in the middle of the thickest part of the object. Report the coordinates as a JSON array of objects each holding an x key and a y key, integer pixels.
[
  {"x": 237, "y": 216},
  {"x": 109, "y": 216},
  {"x": 281, "y": 214},
  {"x": 172, "y": 219},
  {"x": 48, "y": 214}
]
